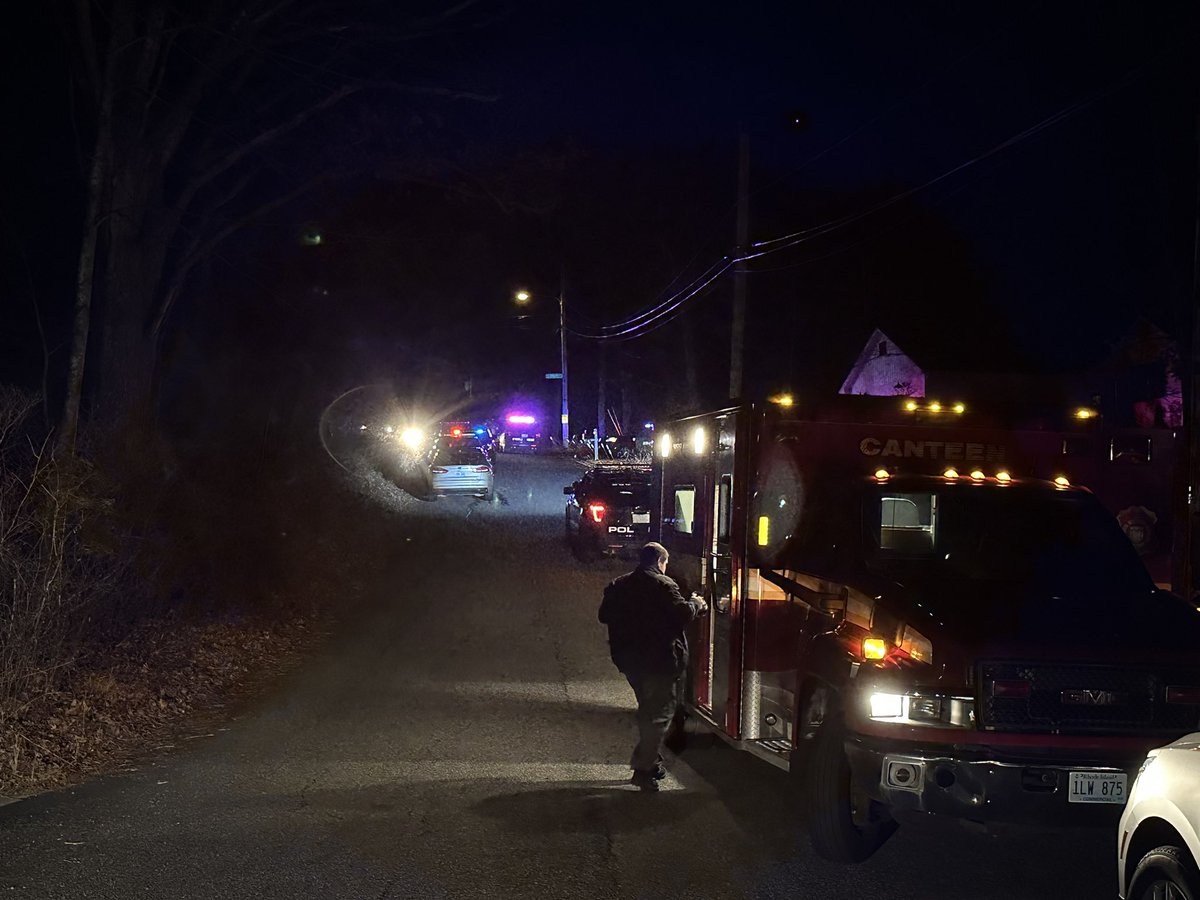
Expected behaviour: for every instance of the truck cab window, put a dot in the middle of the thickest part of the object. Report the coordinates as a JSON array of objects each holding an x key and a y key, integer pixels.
[
  {"x": 685, "y": 508},
  {"x": 1133, "y": 450},
  {"x": 908, "y": 523}
]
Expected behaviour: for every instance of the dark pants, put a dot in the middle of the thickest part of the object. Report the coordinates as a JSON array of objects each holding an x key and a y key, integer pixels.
[{"x": 658, "y": 695}]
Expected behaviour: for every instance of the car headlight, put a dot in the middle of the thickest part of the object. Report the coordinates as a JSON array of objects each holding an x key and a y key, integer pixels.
[
  {"x": 414, "y": 438},
  {"x": 919, "y": 708}
]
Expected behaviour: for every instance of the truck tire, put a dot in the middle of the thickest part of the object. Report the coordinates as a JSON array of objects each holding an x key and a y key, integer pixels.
[
  {"x": 832, "y": 825},
  {"x": 1165, "y": 873}
]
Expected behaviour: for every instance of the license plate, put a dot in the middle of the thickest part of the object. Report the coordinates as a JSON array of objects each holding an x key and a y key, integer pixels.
[
  {"x": 641, "y": 518},
  {"x": 1097, "y": 787}
]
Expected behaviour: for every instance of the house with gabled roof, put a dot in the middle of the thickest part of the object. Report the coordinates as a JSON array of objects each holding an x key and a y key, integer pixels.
[
  {"x": 1135, "y": 380},
  {"x": 883, "y": 369}
]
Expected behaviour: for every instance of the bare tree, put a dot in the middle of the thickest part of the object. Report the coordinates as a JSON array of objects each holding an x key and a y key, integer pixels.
[{"x": 187, "y": 112}]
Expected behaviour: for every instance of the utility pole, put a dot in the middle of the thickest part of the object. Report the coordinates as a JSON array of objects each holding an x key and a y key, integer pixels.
[
  {"x": 1189, "y": 534},
  {"x": 562, "y": 346},
  {"x": 600, "y": 404},
  {"x": 737, "y": 337}
]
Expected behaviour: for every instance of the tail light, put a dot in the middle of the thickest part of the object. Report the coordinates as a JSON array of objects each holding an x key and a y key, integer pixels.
[
  {"x": 482, "y": 469},
  {"x": 438, "y": 470},
  {"x": 1011, "y": 690},
  {"x": 597, "y": 510}
]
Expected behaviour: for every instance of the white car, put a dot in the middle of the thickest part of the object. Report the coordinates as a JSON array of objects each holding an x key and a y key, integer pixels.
[
  {"x": 462, "y": 468},
  {"x": 1157, "y": 844}
]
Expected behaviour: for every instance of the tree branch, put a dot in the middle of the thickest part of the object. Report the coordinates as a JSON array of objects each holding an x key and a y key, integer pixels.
[
  {"x": 204, "y": 248},
  {"x": 263, "y": 138},
  {"x": 270, "y": 135},
  {"x": 87, "y": 43}
]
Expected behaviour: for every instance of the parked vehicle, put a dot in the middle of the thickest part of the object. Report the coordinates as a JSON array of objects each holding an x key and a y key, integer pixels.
[
  {"x": 523, "y": 434},
  {"x": 922, "y": 615},
  {"x": 462, "y": 468},
  {"x": 454, "y": 434},
  {"x": 609, "y": 510},
  {"x": 1157, "y": 842}
]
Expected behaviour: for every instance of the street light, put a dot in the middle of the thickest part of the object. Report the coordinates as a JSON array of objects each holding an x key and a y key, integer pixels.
[{"x": 522, "y": 297}]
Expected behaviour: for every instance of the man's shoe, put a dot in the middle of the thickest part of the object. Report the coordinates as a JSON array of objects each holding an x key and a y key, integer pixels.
[{"x": 645, "y": 780}]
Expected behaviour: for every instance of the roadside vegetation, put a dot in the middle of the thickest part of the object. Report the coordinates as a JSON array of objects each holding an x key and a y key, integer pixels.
[{"x": 123, "y": 611}]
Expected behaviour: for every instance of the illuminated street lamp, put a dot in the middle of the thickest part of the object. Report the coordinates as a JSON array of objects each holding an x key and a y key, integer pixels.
[{"x": 522, "y": 297}]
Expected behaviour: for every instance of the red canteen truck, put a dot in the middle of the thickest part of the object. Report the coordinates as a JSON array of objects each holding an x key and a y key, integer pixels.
[{"x": 923, "y": 615}]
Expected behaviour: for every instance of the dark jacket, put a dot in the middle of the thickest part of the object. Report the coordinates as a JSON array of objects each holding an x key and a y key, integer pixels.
[{"x": 646, "y": 617}]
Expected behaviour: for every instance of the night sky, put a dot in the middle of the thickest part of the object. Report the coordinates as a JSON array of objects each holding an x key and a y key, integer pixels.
[
  {"x": 616, "y": 128},
  {"x": 1086, "y": 213}
]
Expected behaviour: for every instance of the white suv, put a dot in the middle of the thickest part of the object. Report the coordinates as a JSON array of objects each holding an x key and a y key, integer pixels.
[{"x": 1157, "y": 843}]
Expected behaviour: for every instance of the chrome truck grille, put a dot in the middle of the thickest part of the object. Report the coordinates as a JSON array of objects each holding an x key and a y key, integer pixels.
[{"x": 1081, "y": 698}]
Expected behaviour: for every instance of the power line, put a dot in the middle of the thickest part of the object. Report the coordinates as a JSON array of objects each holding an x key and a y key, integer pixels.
[
  {"x": 666, "y": 311},
  {"x": 721, "y": 264}
]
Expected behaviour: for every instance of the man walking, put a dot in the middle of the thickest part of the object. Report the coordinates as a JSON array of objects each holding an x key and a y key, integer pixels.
[{"x": 646, "y": 617}]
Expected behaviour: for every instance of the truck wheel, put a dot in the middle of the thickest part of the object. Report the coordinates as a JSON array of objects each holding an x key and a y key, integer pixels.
[
  {"x": 842, "y": 825},
  {"x": 1165, "y": 873}
]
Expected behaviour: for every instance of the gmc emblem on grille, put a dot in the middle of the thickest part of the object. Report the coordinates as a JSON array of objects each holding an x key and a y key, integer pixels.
[{"x": 1092, "y": 698}]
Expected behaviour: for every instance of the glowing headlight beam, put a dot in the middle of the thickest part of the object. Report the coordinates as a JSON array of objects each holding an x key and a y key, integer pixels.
[{"x": 887, "y": 706}]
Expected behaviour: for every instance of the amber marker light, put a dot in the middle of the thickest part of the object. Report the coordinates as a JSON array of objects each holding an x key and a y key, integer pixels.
[
  {"x": 977, "y": 475},
  {"x": 960, "y": 408},
  {"x": 1084, "y": 413},
  {"x": 882, "y": 474},
  {"x": 911, "y": 405},
  {"x": 874, "y": 648},
  {"x": 935, "y": 407},
  {"x": 1061, "y": 481},
  {"x": 1003, "y": 477},
  {"x": 950, "y": 473}
]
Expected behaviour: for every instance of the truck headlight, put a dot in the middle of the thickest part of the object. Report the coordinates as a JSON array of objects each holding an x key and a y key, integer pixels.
[
  {"x": 413, "y": 438},
  {"x": 887, "y": 706},
  {"x": 918, "y": 708}
]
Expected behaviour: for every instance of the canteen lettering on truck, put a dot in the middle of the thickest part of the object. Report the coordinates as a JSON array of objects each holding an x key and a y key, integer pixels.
[{"x": 924, "y": 615}]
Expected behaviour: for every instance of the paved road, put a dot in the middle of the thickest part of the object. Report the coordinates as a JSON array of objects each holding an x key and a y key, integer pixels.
[{"x": 467, "y": 737}]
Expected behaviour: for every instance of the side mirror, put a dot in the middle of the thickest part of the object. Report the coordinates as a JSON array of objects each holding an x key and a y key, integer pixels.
[{"x": 569, "y": 490}]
